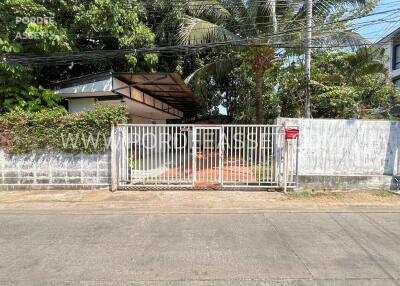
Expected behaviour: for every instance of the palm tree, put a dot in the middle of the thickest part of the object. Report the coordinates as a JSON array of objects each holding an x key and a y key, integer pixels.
[{"x": 262, "y": 24}]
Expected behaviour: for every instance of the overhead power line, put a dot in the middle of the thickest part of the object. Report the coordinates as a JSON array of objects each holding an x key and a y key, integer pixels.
[{"x": 68, "y": 57}]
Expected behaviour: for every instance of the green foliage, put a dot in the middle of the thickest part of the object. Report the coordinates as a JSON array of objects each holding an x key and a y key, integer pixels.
[
  {"x": 74, "y": 26},
  {"x": 255, "y": 21},
  {"x": 344, "y": 85},
  {"x": 7, "y": 47},
  {"x": 231, "y": 89},
  {"x": 117, "y": 20},
  {"x": 47, "y": 38},
  {"x": 16, "y": 91},
  {"x": 55, "y": 129}
]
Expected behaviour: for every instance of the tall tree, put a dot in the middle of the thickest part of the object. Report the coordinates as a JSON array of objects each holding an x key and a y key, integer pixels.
[
  {"x": 75, "y": 26},
  {"x": 260, "y": 23}
]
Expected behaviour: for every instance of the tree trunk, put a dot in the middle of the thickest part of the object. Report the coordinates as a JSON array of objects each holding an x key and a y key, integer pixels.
[
  {"x": 261, "y": 63},
  {"x": 259, "y": 101}
]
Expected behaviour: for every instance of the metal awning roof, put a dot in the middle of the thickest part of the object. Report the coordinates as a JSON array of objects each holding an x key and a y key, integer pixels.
[{"x": 166, "y": 87}]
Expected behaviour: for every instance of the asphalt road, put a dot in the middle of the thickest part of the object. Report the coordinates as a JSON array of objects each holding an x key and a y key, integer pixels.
[{"x": 254, "y": 248}]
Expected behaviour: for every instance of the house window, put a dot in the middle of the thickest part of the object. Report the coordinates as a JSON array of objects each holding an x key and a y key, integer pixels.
[{"x": 396, "y": 58}]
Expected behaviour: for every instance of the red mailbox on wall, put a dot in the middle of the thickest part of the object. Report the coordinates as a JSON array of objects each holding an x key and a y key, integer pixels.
[{"x": 291, "y": 133}]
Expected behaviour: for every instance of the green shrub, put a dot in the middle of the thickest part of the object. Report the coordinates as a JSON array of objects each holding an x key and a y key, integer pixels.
[{"x": 55, "y": 129}]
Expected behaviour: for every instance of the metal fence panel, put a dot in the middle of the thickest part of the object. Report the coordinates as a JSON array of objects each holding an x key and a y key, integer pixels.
[{"x": 251, "y": 156}]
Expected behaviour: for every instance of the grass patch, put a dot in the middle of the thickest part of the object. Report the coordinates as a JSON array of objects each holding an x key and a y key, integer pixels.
[
  {"x": 384, "y": 194},
  {"x": 310, "y": 195}
]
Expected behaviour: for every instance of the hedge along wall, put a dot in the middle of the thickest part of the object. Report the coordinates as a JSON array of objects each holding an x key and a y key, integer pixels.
[
  {"x": 55, "y": 149},
  {"x": 56, "y": 130}
]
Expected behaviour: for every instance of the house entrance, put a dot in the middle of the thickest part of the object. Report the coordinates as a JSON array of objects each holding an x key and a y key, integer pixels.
[{"x": 193, "y": 156}]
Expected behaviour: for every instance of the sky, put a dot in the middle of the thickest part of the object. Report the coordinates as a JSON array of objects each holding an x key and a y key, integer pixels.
[{"x": 377, "y": 31}]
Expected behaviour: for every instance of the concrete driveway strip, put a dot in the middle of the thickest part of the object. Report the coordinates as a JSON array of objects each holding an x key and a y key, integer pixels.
[{"x": 261, "y": 248}]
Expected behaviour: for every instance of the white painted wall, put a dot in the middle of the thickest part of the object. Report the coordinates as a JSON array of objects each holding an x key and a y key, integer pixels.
[
  {"x": 54, "y": 168},
  {"x": 141, "y": 120},
  {"x": 81, "y": 104},
  {"x": 347, "y": 147}
]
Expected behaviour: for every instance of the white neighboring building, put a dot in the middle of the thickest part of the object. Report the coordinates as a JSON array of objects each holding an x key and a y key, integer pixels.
[
  {"x": 149, "y": 97},
  {"x": 391, "y": 44}
]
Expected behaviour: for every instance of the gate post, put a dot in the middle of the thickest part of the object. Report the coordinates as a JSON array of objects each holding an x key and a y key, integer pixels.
[
  {"x": 114, "y": 183},
  {"x": 285, "y": 159}
]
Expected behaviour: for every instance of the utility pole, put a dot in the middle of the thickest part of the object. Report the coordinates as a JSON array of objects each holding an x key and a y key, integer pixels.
[
  {"x": 307, "y": 61},
  {"x": 273, "y": 15}
]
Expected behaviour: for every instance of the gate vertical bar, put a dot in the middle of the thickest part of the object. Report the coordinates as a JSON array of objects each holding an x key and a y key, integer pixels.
[
  {"x": 285, "y": 159},
  {"x": 231, "y": 150},
  {"x": 212, "y": 153},
  {"x": 194, "y": 139},
  {"x": 236, "y": 161},
  {"x": 260, "y": 148},
  {"x": 221, "y": 155},
  {"x": 297, "y": 161},
  {"x": 136, "y": 157},
  {"x": 247, "y": 155},
  {"x": 185, "y": 142},
  {"x": 114, "y": 179},
  {"x": 163, "y": 147},
  {"x": 168, "y": 157},
  {"x": 131, "y": 157},
  {"x": 146, "y": 135},
  {"x": 180, "y": 156}
]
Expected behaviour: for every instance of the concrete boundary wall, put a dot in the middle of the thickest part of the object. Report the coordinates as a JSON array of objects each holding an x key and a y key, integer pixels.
[
  {"x": 54, "y": 170},
  {"x": 347, "y": 154},
  {"x": 333, "y": 155}
]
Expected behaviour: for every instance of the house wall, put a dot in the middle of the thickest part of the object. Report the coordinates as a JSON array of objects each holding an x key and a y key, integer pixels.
[
  {"x": 81, "y": 104},
  {"x": 53, "y": 170},
  {"x": 388, "y": 46},
  {"x": 140, "y": 120}
]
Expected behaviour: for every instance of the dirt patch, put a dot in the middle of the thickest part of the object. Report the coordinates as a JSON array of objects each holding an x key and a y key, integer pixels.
[
  {"x": 344, "y": 197},
  {"x": 193, "y": 200}
]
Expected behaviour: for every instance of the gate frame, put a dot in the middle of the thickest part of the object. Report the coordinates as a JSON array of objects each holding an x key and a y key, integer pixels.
[{"x": 115, "y": 184}]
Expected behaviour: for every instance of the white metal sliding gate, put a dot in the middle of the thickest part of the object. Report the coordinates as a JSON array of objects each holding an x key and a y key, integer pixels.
[{"x": 157, "y": 155}]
